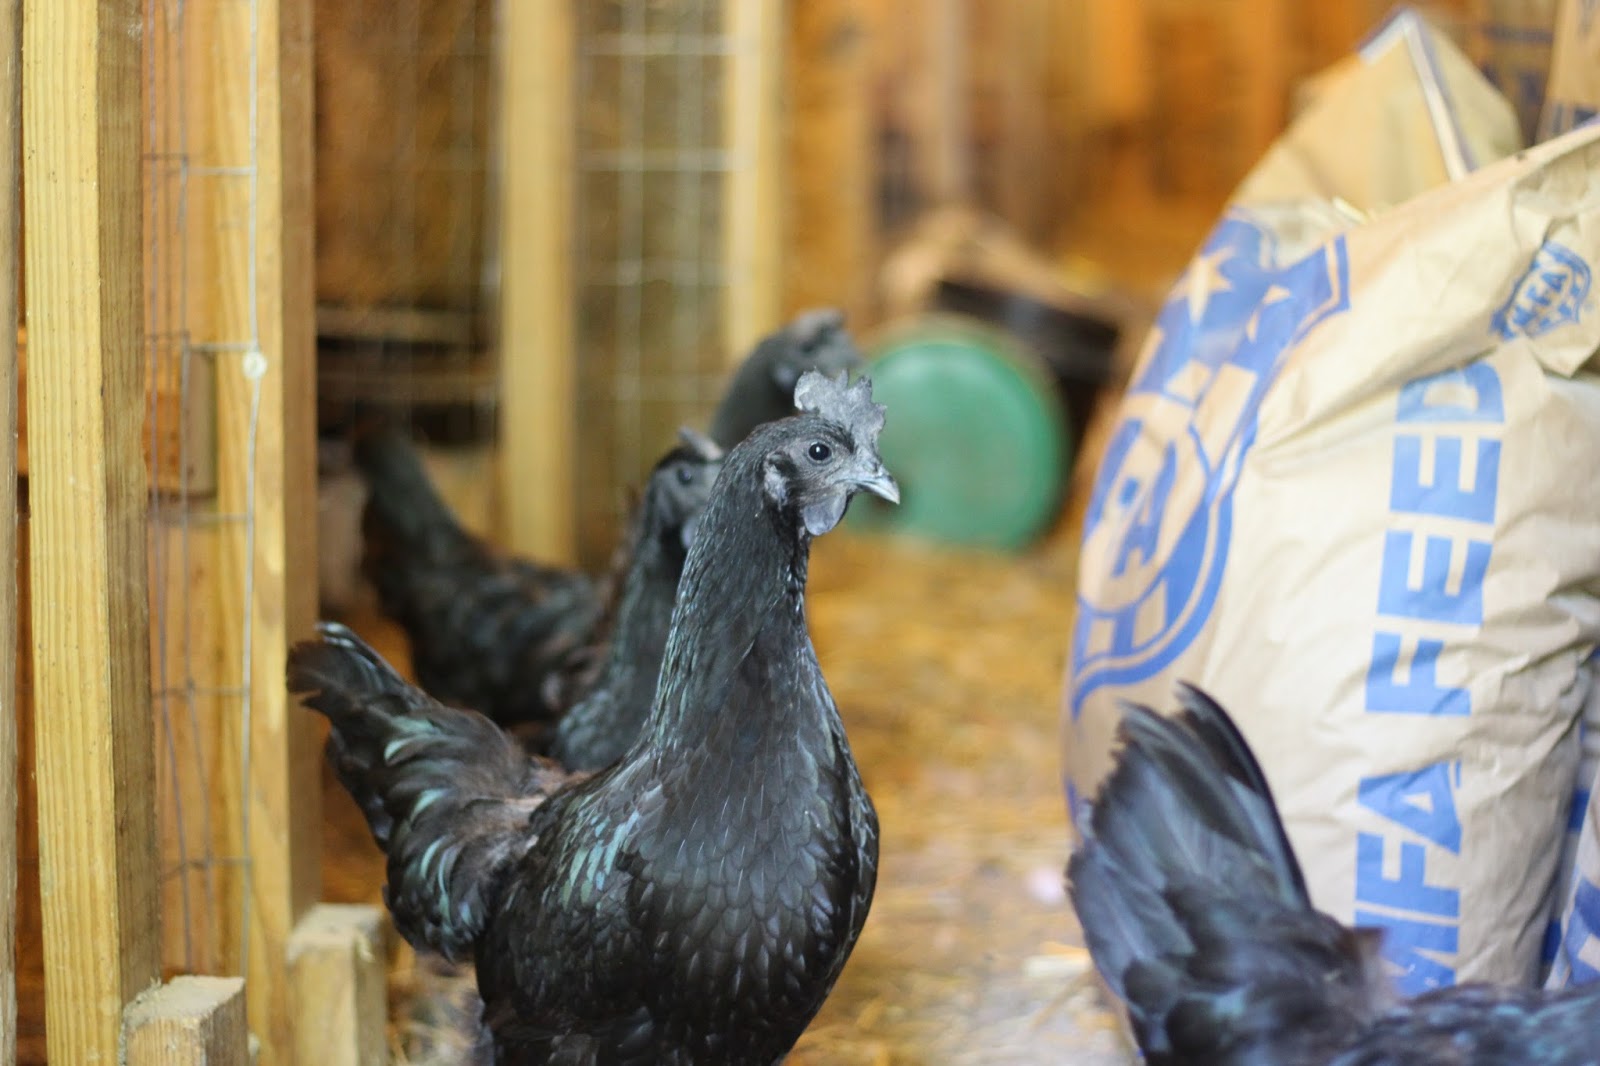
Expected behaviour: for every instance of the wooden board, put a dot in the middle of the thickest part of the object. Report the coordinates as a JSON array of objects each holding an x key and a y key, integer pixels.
[
  {"x": 175, "y": 465},
  {"x": 192, "y": 1021},
  {"x": 752, "y": 214},
  {"x": 88, "y": 497},
  {"x": 30, "y": 923},
  {"x": 259, "y": 310},
  {"x": 10, "y": 207},
  {"x": 336, "y": 968},
  {"x": 537, "y": 357}
]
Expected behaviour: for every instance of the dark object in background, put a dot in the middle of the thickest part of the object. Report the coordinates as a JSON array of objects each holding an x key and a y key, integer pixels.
[
  {"x": 516, "y": 640},
  {"x": 605, "y": 704},
  {"x": 484, "y": 629},
  {"x": 1196, "y": 912},
  {"x": 762, "y": 388},
  {"x": 522, "y": 642},
  {"x": 696, "y": 901},
  {"x": 1078, "y": 347}
]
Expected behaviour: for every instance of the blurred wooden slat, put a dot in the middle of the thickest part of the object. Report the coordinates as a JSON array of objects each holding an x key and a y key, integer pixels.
[
  {"x": 537, "y": 358},
  {"x": 336, "y": 966},
  {"x": 754, "y": 189},
  {"x": 89, "y": 500}
]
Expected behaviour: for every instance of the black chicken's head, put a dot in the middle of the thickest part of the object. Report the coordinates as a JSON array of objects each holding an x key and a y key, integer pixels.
[
  {"x": 680, "y": 485},
  {"x": 812, "y": 340},
  {"x": 814, "y": 462}
]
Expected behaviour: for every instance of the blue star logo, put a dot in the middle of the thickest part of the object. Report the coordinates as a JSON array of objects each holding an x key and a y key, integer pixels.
[{"x": 1156, "y": 534}]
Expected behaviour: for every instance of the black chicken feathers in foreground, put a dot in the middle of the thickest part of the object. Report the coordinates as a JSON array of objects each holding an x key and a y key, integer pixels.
[
  {"x": 1196, "y": 913},
  {"x": 523, "y": 642},
  {"x": 695, "y": 901}
]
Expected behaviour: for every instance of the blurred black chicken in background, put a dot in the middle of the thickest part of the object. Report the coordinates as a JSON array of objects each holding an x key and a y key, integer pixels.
[
  {"x": 1196, "y": 913},
  {"x": 695, "y": 901},
  {"x": 524, "y": 642},
  {"x": 509, "y": 637},
  {"x": 762, "y": 389}
]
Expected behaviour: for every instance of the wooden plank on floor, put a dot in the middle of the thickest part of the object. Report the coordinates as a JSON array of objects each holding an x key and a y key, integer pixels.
[
  {"x": 752, "y": 214},
  {"x": 538, "y": 420},
  {"x": 89, "y": 503},
  {"x": 10, "y": 209},
  {"x": 336, "y": 965},
  {"x": 190, "y": 1021}
]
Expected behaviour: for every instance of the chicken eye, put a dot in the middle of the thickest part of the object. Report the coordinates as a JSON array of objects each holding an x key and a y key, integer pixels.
[
  {"x": 819, "y": 452},
  {"x": 685, "y": 475}
]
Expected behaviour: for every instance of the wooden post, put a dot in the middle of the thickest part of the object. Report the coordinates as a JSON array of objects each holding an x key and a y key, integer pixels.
[
  {"x": 337, "y": 970},
  {"x": 538, "y": 423},
  {"x": 266, "y": 381},
  {"x": 10, "y": 209},
  {"x": 752, "y": 215},
  {"x": 192, "y": 1021},
  {"x": 947, "y": 143},
  {"x": 89, "y": 501}
]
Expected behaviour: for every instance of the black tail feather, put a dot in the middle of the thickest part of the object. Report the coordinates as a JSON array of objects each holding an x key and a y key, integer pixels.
[
  {"x": 446, "y": 793},
  {"x": 404, "y": 511},
  {"x": 1194, "y": 906}
]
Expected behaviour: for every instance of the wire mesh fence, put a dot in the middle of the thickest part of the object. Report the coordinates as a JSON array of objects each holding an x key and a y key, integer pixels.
[
  {"x": 651, "y": 165},
  {"x": 204, "y": 370}
]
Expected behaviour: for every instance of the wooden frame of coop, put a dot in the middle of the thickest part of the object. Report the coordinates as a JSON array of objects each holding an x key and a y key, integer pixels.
[
  {"x": 113, "y": 140},
  {"x": 166, "y": 456}
]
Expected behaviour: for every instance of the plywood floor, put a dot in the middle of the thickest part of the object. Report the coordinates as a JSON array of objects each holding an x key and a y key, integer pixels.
[{"x": 947, "y": 669}]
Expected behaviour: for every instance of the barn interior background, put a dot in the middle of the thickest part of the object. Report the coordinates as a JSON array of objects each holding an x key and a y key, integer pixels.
[{"x": 540, "y": 231}]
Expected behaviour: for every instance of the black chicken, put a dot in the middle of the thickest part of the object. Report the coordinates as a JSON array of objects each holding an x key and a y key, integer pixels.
[
  {"x": 695, "y": 901},
  {"x": 762, "y": 389},
  {"x": 523, "y": 642},
  {"x": 1196, "y": 913},
  {"x": 502, "y": 635},
  {"x": 607, "y": 686}
]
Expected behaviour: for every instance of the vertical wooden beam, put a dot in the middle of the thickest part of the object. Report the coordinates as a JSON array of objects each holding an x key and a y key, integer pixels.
[
  {"x": 946, "y": 144},
  {"x": 337, "y": 970},
  {"x": 89, "y": 501},
  {"x": 192, "y": 1021},
  {"x": 10, "y": 210},
  {"x": 752, "y": 215},
  {"x": 538, "y": 395},
  {"x": 271, "y": 476}
]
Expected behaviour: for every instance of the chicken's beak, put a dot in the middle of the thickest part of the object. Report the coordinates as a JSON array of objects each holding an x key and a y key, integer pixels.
[{"x": 880, "y": 484}]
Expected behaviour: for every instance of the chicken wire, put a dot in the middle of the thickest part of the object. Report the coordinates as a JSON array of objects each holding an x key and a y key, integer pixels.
[
  {"x": 651, "y": 162},
  {"x": 201, "y": 215}
]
